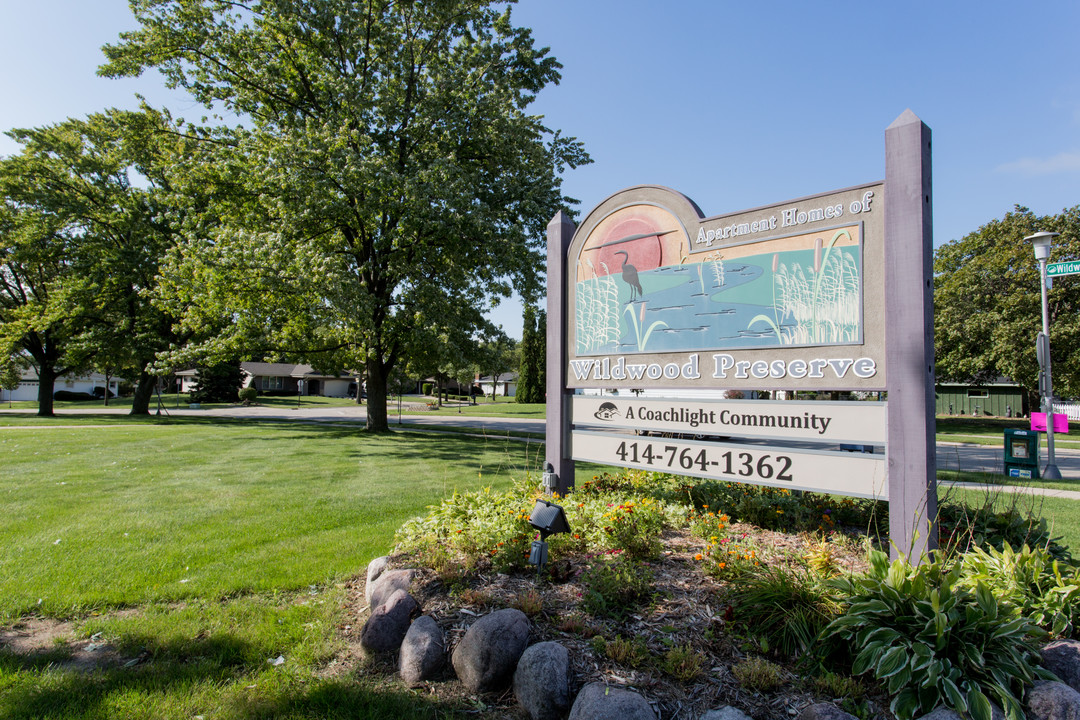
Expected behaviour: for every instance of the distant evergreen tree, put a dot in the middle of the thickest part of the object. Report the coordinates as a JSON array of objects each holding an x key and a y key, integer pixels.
[
  {"x": 218, "y": 383},
  {"x": 541, "y": 357},
  {"x": 530, "y": 387}
]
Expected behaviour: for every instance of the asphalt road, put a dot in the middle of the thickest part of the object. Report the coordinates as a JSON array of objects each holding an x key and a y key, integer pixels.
[{"x": 950, "y": 456}]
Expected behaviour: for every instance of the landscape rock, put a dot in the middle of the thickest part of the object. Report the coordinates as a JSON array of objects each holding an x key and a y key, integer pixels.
[
  {"x": 423, "y": 651},
  {"x": 541, "y": 681},
  {"x": 375, "y": 568},
  {"x": 598, "y": 701},
  {"x": 726, "y": 713},
  {"x": 944, "y": 713},
  {"x": 387, "y": 626},
  {"x": 1062, "y": 657},
  {"x": 387, "y": 583},
  {"x": 486, "y": 656},
  {"x": 825, "y": 711},
  {"x": 1053, "y": 701}
]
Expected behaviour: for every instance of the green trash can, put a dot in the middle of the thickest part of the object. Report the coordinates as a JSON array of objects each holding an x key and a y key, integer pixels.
[{"x": 1022, "y": 453}]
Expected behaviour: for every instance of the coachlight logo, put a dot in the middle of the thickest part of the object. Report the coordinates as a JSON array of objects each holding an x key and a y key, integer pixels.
[{"x": 606, "y": 411}]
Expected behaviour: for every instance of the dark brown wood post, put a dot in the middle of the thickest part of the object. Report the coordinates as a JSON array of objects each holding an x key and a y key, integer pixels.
[{"x": 560, "y": 231}]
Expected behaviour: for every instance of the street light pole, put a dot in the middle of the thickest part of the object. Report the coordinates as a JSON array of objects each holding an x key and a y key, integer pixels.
[{"x": 1041, "y": 240}]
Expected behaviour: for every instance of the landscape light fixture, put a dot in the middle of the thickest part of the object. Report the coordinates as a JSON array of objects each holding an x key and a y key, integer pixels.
[
  {"x": 549, "y": 519},
  {"x": 1041, "y": 241}
]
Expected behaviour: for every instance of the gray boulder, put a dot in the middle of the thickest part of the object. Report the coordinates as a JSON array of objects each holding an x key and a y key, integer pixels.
[
  {"x": 423, "y": 651},
  {"x": 1053, "y": 701},
  {"x": 1062, "y": 657},
  {"x": 944, "y": 713},
  {"x": 375, "y": 568},
  {"x": 598, "y": 701},
  {"x": 541, "y": 681},
  {"x": 825, "y": 711},
  {"x": 386, "y": 584},
  {"x": 486, "y": 656},
  {"x": 726, "y": 713},
  {"x": 387, "y": 626}
]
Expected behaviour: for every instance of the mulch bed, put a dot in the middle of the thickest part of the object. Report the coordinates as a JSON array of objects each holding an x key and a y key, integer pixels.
[{"x": 689, "y": 610}]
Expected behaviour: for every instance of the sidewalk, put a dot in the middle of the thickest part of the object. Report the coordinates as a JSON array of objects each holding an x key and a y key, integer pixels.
[{"x": 1014, "y": 489}]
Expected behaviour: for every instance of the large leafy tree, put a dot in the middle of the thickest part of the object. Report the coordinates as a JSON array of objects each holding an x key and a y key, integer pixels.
[
  {"x": 987, "y": 303},
  {"x": 46, "y": 291},
  {"x": 386, "y": 178},
  {"x": 102, "y": 182}
]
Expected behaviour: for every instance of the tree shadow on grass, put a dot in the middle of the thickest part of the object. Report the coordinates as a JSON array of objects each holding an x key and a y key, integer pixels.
[
  {"x": 435, "y": 445},
  {"x": 220, "y": 668}
]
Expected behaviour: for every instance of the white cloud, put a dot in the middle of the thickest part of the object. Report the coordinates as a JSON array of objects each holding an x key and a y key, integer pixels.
[{"x": 1067, "y": 162}]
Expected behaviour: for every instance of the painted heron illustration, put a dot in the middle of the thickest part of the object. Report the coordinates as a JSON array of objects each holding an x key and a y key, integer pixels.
[{"x": 630, "y": 276}]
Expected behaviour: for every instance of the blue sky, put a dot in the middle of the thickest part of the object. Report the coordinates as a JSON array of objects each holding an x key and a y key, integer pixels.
[{"x": 734, "y": 104}]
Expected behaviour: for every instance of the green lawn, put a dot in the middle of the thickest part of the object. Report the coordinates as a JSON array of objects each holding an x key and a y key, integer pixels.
[
  {"x": 120, "y": 515},
  {"x": 991, "y": 431},
  {"x": 1062, "y": 516},
  {"x": 202, "y": 549}
]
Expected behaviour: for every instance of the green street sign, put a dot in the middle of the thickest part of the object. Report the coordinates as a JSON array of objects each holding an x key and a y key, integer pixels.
[{"x": 1063, "y": 268}]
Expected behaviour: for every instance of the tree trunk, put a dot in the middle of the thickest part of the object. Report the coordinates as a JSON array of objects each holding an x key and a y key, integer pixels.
[
  {"x": 46, "y": 382},
  {"x": 377, "y": 420},
  {"x": 144, "y": 392}
]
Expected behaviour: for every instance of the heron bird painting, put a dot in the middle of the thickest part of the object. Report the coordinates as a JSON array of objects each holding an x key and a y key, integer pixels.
[{"x": 630, "y": 276}]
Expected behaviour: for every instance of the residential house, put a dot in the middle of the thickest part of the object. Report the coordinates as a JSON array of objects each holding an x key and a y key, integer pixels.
[
  {"x": 506, "y": 386},
  {"x": 286, "y": 378},
  {"x": 92, "y": 383},
  {"x": 283, "y": 379}
]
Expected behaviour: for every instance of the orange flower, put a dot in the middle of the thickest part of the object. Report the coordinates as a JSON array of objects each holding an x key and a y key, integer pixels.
[{"x": 698, "y": 556}]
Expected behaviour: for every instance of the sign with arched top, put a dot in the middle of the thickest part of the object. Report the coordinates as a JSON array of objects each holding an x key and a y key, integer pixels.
[{"x": 830, "y": 292}]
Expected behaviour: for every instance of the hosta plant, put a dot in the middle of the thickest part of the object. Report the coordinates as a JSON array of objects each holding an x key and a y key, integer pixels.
[
  {"x": 932, "y": 641},
  {"x": 1031, "y": 581}
]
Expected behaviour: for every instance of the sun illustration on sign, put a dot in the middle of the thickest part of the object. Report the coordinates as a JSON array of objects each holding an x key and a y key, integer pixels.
[{"x": 614, "y": 273}]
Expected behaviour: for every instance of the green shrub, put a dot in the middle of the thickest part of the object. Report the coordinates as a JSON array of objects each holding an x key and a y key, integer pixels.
[
  {"x": 467, "y": 526},
  {"x": 614, "y": 586},
  {"x": 630, "y": 524},
  {"x": 495, "y": 525},
  {"x": 247, "y": 395},
  {"x": 780, "y": 509},
  {"x": 835, "y": 685},
  {"x": 682, "y": 662},
  {"x": 1031, "y": 582},
  {"x": 426, "y": 389},
  {"x": 757, "y": 673},
  {"x": 632, "y": 652},
  {"x": 789, "y": 608},
  {"x": 931, "y": 641}
]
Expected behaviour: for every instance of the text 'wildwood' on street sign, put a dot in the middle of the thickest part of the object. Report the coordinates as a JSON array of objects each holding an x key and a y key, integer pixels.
[{"x": 1071, "y": 267}]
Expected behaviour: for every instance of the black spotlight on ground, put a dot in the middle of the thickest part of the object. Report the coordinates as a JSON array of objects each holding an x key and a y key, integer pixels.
[{"x": 549, "y": 519}]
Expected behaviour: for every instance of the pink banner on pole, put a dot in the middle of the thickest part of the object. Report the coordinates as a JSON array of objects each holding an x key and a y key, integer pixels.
[{"x": 1038, "y": 422}]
